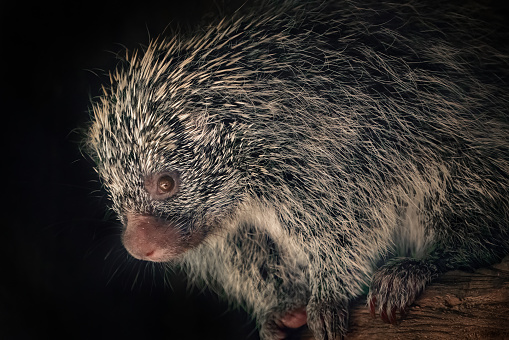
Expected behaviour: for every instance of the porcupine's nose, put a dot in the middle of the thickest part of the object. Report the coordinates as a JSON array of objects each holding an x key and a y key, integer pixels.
[{"x": 150, "y": 238}]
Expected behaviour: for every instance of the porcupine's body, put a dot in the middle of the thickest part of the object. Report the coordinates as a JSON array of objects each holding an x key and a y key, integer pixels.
[{"x": 280, "y": 156}]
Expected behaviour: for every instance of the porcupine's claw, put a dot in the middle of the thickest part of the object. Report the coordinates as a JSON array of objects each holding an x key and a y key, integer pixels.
[{"x": 396, "y": 285}]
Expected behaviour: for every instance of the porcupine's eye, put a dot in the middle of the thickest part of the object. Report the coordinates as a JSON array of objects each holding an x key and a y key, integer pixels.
[{"x": 165, "y": 184}]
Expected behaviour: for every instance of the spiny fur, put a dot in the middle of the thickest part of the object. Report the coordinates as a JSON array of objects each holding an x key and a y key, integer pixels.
[{"x": 315, "y": 140}]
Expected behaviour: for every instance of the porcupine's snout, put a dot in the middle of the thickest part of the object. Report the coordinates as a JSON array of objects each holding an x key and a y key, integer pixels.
[{"x": 150, "y": 238}]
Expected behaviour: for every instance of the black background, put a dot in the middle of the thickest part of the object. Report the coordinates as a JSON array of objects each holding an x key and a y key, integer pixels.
[{"x": 63, "y": 271}]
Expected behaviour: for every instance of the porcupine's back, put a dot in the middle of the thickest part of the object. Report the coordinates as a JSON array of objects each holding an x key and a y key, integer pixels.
[{"x": 359, "y": 124}]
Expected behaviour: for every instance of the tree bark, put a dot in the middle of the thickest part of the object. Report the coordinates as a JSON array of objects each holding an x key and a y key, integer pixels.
[{"x": 459, "y": 305}]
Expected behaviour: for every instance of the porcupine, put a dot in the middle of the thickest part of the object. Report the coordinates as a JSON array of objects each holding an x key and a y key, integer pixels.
[{"x": 282, "y": 154}]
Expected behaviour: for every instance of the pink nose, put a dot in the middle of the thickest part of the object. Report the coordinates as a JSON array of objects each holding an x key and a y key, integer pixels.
[{"x": 152, "y": 239}]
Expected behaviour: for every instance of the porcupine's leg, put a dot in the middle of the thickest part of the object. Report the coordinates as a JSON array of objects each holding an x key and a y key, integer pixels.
[
  {"x": 328, "y": 317},
  {"x": 467, "y": 229},
  {"x": 287, "y": 311},
  {"x": 279, "y": 283},
  {"x": 331, "y": 291},
  {"x": 397, "y": 284}
]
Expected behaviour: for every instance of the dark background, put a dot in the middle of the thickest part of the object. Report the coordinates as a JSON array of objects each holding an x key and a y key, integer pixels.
[{"x": 63, "y": 271}]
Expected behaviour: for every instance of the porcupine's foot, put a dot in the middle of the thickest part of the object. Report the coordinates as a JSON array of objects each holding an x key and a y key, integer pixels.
[
  {"x": 396, "y": 285},
  {"x": 293, "y": 319},
  {"x": 328, "y": 320},
  {"x": 280, "y": 326}
]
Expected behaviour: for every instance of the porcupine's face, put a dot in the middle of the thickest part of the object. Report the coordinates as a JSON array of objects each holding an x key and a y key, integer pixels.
[{"x": 169, "y": 175}]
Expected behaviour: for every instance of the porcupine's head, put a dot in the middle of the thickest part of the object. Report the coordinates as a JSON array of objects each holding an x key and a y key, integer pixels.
[{"x": 168, "y": 166}]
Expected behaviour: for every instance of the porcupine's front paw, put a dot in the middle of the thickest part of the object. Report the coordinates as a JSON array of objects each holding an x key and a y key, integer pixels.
[
  {"x": 397, "y": 284},
  {"x": 280, "y": 325},
  {"x": 328, "y": 320}
]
